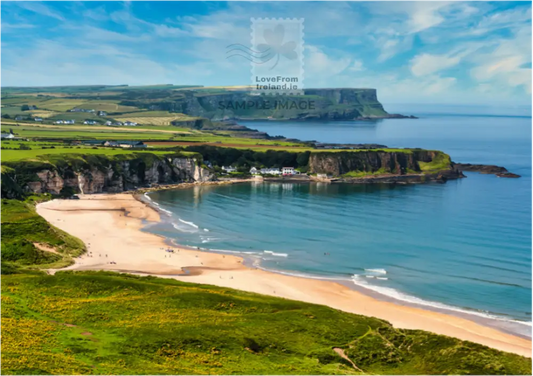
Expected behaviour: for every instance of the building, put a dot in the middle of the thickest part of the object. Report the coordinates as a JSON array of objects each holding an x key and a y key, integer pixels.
[
  {"x": 93, "y": 142},
  {"x": 117, "y": 123},
  {"x": 131, "y": 123},
  {"x": 131, "y": 144},
  {"x": 229, "y": 168},
  {"x": 7, "y": 136},
  {"x": 108, "y": 123},
  {"x": 254, "y": 171},
  {"x": 38, "y": 119},
  {"x": 59, "y": 122},
  {"x": 111, "y": 144},
  {"x": 287, "y": 171},
  {"x": 89, "y": 122},
  {"x": 101, "y": 113},
  {"x": 69, "y": 121},
  {"x": 270, "y": 171},
  {"x": 18, "y": 118}
]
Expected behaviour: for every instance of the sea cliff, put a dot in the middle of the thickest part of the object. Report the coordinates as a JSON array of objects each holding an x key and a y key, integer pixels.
[
  {"x": 384, "y": 166},
  {"x": 314, "y": 104},
  {"x": 99, "y": 173}
]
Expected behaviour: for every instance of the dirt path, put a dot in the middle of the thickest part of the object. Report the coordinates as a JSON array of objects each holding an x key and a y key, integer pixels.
[{"x": 341, "y": 353}]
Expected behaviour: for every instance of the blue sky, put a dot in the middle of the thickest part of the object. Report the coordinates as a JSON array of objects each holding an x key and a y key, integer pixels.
[{"x": 412, "y": 52}]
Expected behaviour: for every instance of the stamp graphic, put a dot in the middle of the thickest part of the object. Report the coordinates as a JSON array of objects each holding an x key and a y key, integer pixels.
[
  {"x": 279, "y": 65},
  {"x": 275, "y": 54}
]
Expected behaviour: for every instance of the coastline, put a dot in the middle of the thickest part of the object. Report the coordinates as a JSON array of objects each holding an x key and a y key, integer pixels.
[{"x": 110, "y": 226}]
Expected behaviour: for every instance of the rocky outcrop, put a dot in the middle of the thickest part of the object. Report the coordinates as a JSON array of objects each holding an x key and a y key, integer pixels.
[
  {"x": 383, "y": 166},
  {"x": 101, "y": 174},
  {"x": 314, "y": 104},
  {"x": 499, "y": 171}
]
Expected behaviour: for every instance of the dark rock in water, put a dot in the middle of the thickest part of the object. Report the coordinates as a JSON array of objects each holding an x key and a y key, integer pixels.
[
  {"x": 483, "y": 169},
  {"x": 507, "y": 175}
]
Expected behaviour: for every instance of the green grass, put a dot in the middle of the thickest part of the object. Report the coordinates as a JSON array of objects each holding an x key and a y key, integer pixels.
[
  {"x": 22, "y": 227},
  {"x": 106, "y": 323},
  {"x": 360, "y": 174},
  {"x": 42, "y": 154},
  {"x": 440, "y": 162}
]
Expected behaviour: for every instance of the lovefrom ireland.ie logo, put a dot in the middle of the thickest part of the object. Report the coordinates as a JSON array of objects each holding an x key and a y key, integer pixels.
[{"x": 276, "y": 55}]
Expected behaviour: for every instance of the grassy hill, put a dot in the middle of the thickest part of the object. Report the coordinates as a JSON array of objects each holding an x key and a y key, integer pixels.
[
  {"x": 106, "y": 323},
  {"x": 28, "y": 240}
]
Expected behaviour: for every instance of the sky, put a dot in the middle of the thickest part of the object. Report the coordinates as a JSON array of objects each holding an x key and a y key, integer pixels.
[{"x": 411, "y": 52}]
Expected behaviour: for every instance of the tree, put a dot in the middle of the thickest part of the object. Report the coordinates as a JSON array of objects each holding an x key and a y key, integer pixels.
[
  {"x": 24, "y": 107},
  {"x": 6, "y": 116}
]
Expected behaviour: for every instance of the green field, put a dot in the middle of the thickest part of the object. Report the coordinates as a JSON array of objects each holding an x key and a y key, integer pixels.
[{"x": 106, "y": 323}]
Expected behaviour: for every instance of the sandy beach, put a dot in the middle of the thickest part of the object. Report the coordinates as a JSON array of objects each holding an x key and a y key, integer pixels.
[{"x": 110, "y": 226}]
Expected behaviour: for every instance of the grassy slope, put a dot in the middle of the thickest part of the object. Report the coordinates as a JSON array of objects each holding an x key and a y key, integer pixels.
[
  {"x": 122, "y": 324},
  {"x": 22, "y": 227}
]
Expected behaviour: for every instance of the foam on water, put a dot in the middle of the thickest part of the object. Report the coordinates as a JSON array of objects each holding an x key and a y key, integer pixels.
[
  {"x": 188, "y": 223},
  {"x": 276, "y": 254},
  {"x": 378, "y": 271},
  {"x": 395, "y": 294}
]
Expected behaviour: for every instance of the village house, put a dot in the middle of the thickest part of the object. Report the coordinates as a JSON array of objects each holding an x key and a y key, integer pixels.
[
  {"x": 254, "y": 171},
  {"x": 131, "y": 144},
  {"x": 101, "y": 113},
  {"x": 69, "y": 121},
  {"x": 229, "y": 168},
  {"x": 271, "y": 171},
  {"x": 118, "y": 123},
  {"x": 288, "y": 171},
  {"x": 89, "y": 122},
  {"x": 38, "y": 119},
  {"x": 111, "y": 144},
  {"x": 8, "y": 136},
  {"x": 131, "y": 123},
  {"x": 108, "y": 123},
  {"x": 18, "y": 118}
]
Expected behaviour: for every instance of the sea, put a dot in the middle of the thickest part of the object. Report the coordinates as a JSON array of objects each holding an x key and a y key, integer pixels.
[{"x": 463, "y": 247}]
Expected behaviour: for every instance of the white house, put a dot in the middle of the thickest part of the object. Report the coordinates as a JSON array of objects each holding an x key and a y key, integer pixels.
[
  {"x": 69, "y": 122},
  {"x": 132, "y": 123},
  {"x": 288, "y": 171},
  {"x": 58, "y": 122},
  {"x": 118, "y": 123},
  {"x": 270, "y": 171},
  {"x": 254, "y": 171},
  {"x": 38, "y": 119},
  {"x": 90, "y": 122},
  {"x": 7, "y": 136},
  {"x": 229, "y": 169},
  {"x": 108, "y": 122}
]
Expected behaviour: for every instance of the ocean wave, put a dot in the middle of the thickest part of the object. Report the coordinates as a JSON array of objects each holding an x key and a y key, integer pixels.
[
  {"x": 182, "y": 228},
  {"x": 393, "y": 293},
  {"x": 147, "y": 197},
  {"x": 378, "y": 271},
  {"x": 276, "y": 254},
  {"x": 206, "y": 230},
  {"x": 168, "y": 212},
  {"x": 236, "y": 252},
  {"x": 188, "y": 223}
]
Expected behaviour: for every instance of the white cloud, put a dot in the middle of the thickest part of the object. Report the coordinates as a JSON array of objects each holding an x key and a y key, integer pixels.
[
  {"x": 424, "y": 64},
  {"x": 319, "y": 63},
  {"x": 41, "y": 9}
]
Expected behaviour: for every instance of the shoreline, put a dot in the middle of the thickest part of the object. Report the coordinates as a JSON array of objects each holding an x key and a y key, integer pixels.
[{"x": 116, "y": 236}]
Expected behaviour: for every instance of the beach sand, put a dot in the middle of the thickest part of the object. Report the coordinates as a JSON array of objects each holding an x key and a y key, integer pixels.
[{"x": 110, "y": 227}]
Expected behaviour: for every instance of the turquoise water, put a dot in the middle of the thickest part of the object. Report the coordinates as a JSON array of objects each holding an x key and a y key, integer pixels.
[{"x": 465, "y": 244}]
